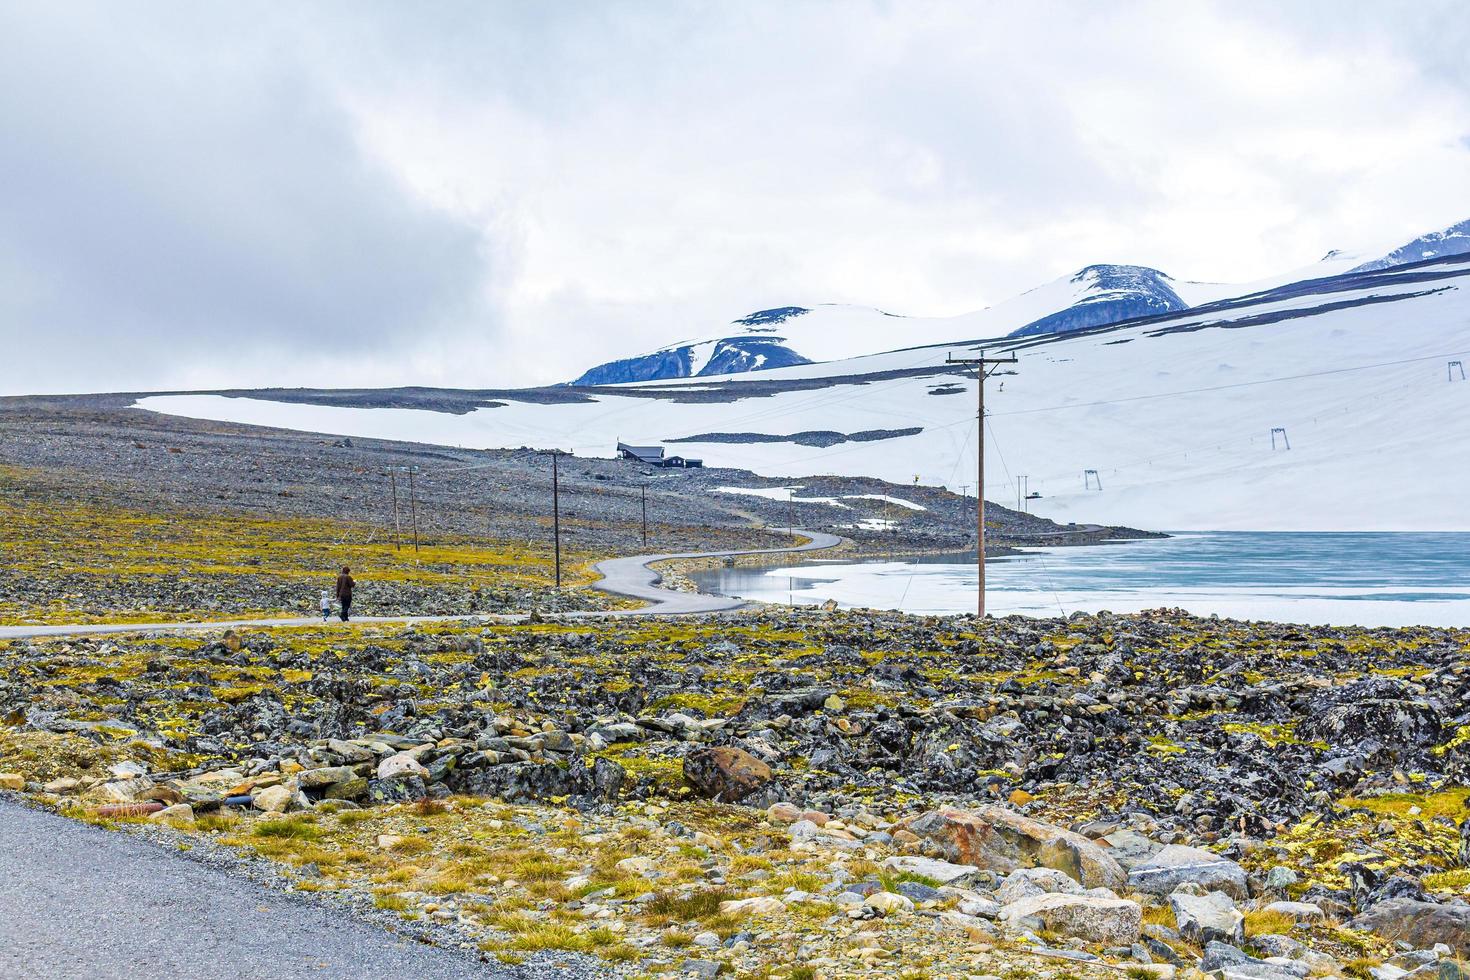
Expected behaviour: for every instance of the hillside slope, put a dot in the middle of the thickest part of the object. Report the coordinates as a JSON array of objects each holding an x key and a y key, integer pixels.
[{"x": 1174, "y": 412}]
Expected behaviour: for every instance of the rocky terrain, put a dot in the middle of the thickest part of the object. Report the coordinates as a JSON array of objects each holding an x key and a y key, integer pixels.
[
  {"x": 800, "y": 794},
  {"x": 95, "y": 448}
]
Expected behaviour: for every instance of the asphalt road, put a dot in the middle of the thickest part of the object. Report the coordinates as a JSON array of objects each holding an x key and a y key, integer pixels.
[
  {"x": 629, "y": 577},
  {"x": 78, "y": 901}
]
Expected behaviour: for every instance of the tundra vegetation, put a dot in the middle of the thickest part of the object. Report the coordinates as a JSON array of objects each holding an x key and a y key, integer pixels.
[{"x": 780, "y": 792}]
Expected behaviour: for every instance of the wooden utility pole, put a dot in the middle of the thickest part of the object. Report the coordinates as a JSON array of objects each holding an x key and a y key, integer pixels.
[
  {"x": 556, "y": 510},
  {"x": 984, "y": 368},
  {"x": 644, "y": 488},
  {"x": 413, "y": 507},
  {"x": 397, "y": 534}
]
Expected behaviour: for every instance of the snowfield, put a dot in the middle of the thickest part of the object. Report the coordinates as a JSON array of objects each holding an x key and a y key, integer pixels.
[{"x": 1174, "y": 413}]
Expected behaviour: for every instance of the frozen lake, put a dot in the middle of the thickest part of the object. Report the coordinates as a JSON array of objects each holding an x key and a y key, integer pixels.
[{"x": 1367, "y": 579}]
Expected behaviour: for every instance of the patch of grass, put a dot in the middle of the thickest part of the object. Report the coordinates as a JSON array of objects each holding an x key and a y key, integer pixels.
[
  {"x": 1263, "y": 923},
  {"x": 395, "y": 903},
  {"x": 667, "y": 908},
  {"x": 292, "y": 828}
]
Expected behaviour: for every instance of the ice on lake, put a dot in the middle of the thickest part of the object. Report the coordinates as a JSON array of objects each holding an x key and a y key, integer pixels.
[{"x": 1366, "y": 579}]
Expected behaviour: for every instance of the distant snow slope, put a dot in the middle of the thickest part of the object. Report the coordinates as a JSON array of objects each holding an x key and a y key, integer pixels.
[
  {"x": 1454, "y": 240},
  {"x": 1174, "y": 412}
]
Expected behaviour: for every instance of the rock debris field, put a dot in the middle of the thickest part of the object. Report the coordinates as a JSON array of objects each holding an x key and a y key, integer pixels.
[{"x": 800, "y": 794}]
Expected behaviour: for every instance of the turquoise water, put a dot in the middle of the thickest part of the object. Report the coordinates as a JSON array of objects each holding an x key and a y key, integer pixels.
[{"x": 1369, "y": 579}]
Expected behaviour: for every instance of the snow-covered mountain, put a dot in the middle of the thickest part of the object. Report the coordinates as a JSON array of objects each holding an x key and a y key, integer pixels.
[
  {"x": 1454, "y": 240},
  {"x": 1184, "y": 417},
  {"x": 791, "y": 335},
  {"x": 763, "y": 340},
  {"x": 1103, "y": 294},
  {"x": 1094, "y": 296}
]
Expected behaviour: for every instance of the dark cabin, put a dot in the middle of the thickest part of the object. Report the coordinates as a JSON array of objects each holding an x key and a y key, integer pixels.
[{"x": 654, "y": 456}]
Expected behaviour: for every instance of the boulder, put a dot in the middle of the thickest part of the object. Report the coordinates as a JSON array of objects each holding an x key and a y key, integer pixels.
[
  {"x": 400, "y": 764},
  {"x": 1384, "y": 716},
  {"x": 1226, "y": 962},
  {"x": 762, "y": 905},
  {"x": 12, "y": 781},
  {"x": 351, "y": 789},
  {"x": 890, "y": 902},
  {"x": 179, "y": 812},
  {"x": 406, "y": 788},
  {"x": 1130, "y": 848},
  {"x": 934, "y": 869},
  {"x": 1030, "y": 882},
  {"x": 997, "y": 839},
  {"x": 1176, "y": 864},
  {"x": 1421, "y": 924},
  {"x": 1110, "y": 921},
  {"x": 526, "y": 782},
  {"x": 318, "y": 778},
  {"x": 1300, "y": 911},
  {"x": 272, "y": 799},
  {"x": 1208, "y": 918},
  {"x": 724, "y": 773}
]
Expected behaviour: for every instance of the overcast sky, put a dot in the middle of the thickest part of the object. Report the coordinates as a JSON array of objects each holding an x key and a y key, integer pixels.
[{"x": 501, "y": 194}]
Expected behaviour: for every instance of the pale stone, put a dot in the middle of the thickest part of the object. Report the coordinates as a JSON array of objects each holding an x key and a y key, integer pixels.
[
  {"x": 178, "y": 813},
  {"x": 273, "y": 799},
  {"x": 635, "y": 866},
  {"x": 1300, "y": 911},
  {"x": 783, "y": 813},
  {"x": 12, "y": 781},
  {"x": 1111, "y": 921},
  {"x": 1208, "y": 918},
  {"x": 762, "y": 905},
  {"x": 1177, "y": 864},
  {"x": 890, "y": 902},
  {"x": 941, "y": 871},
  {"x": 1029, "y": 882},
  {"x": 387, "y": 841},
  {"x": 401, "y": 763}
]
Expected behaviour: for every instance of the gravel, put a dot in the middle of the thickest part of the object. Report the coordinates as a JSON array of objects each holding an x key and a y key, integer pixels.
[{"x": 78, "y": 901}]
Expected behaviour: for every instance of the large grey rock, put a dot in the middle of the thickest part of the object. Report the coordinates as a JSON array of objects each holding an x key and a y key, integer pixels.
[
  {"x": 1207, "y": 918},
  {"x": 316, "y": 778},
  {"x": 1421, "y": 924},
  {"x": 1030, "y": 882},
  {"x": 1300, "y": 911},
  {"x": 1384, "y": 716},
  {"x": 1110, "y": 921},
  {"x": 1176, "y": 864},
  {"x": 944, "y": 872},
  {"x": 1130, "y": 848},
  {"x": 1226, "y": 962}
]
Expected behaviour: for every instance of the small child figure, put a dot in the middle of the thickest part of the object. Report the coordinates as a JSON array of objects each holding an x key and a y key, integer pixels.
[{"x": 326, "y": 604}]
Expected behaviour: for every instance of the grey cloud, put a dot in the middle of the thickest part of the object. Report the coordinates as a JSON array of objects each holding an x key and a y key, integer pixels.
[{"x": 171, "y": 201}]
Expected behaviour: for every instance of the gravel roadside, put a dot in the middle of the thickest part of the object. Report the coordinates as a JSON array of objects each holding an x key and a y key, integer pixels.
[{"x": 78, "y": 901}]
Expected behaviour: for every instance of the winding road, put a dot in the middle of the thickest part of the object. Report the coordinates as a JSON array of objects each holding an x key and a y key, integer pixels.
[{"x": 631, "y": 577}]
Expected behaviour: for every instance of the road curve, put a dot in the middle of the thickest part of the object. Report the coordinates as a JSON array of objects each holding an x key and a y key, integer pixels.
[
  {"x": 630, "y": 577},
  {"x": 80, "y": 901},
  {"x": 634, "y": 578}
]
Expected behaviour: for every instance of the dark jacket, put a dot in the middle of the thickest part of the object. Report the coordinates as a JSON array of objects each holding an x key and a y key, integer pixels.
[{"x": 344, "y": 586}]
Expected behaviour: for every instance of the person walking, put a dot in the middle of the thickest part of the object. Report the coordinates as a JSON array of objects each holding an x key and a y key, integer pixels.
[
  {"x": 344, "y": 591},
  {"x": 326, "y": 604}
]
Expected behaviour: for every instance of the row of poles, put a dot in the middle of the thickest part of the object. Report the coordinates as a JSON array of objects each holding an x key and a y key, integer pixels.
[{"x": 555, "y": 455}]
